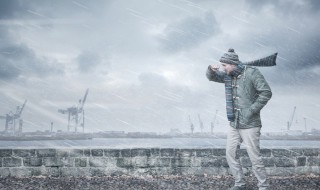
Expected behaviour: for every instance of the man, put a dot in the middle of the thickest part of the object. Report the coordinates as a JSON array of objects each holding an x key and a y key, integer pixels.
[{"x": 247, "y": 92}]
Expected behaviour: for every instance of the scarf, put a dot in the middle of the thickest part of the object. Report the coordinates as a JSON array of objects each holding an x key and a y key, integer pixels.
[
  {"x": 264, "y": 62},
  {"x": 228, "y": 88}
]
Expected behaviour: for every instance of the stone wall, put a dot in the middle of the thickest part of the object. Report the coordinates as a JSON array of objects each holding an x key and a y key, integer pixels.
[{"x": 154, "y": 161}]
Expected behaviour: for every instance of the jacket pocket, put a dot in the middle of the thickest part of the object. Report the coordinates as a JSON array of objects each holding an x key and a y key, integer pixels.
[{"x": 246, "y": 115}]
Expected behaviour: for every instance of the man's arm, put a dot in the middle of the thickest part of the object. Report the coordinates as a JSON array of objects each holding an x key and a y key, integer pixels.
[
  {"x": 214, "y": 75},
  {"x": 263, "y": 90}
]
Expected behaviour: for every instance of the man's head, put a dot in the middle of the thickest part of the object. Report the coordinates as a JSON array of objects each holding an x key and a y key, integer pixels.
[{"x": 229, "y": 61}]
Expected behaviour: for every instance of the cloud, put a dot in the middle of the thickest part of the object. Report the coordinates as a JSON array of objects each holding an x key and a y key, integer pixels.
[
  {"x": 152, "y": 79},
  {"x": 87, "y": 61},
  {"x": 188, "y": 33},
  {"x": 17, "y": 59}
]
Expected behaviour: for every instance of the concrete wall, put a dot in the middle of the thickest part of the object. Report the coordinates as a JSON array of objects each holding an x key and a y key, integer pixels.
[{"x": 155, "y": 161}]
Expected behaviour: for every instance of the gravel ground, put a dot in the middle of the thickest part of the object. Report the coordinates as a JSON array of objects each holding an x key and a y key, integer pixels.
[{"x": 158, "y": 182}]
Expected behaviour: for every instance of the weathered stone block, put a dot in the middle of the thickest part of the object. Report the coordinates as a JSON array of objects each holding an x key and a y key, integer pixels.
[
  {"x": 242, "y": 153},
  {"x": 140, "y": 171},
  {"x": 165, "y": 162},
  {"x": 219, "y": 152},
  {"x": 76, "y": 153},
  {"x": 196, "y": 162},
  {"x": 45, "y": 171},
  {"x": 58, "y": 162},
  {"x": 153, "y": 162},
  {"x": 96, "y": 152},
  {"x": 268, "y": 162},
  {"x": 4, "y": 172},
  {"x": 181, "y": 162},
  {"x": 46, "y": 152},
  {"x": 24, "y": 152},
  {"x": 162, "y": 171},
  {"x": 315, "y": 170},
  {"x": 214, "y": 162},
  {"x": 87, "y": 152},
  {"x": 140, "y": 162},
  {"x": 297, "y": 152},
  {"x": 20, "y": 172},
  {"x": 313, "y": 161},
  {"x": 111, "y": 153},
  {"x": 140, "y": 152},
  {"x": 302, "y": 170},
  {"x": 167, "y": 152},
  {"x": 12, "y": 162},
  {"x": 284, "y": 162},
  {"x": 80, "y": 162},
  {"x": 281, "y": 152},
  {"x": 204, "y": 153},
  {"x": 125, "y": 153},
  {"x": 62, "y": 153},
  {"x": 124, "y": 163},
  {"x": 5, "y": 152},
  {"x": 32, "y": 161},
  {"x": 116, "y": 171},
  {"x": 38, "y": 171},
  {"x": 98, "y": 162},
  {"x": 301, "y": 161},
  {"x": 265, "y": 152},
  {"x": 53, "y": 172},
  {"x": 311, "y": 152},
  {"x": 280, "y": 171},
  {"x": 245, "y": 162},
  {"x": 155, "y": 151},
  {"x": 97, "y": 172},
  {"x": 185, "y": 152},
  {"x": 75, "y": 172}
]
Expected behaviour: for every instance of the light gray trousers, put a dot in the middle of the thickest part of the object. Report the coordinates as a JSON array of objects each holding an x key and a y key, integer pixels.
[{"x": 251, "y": 138}]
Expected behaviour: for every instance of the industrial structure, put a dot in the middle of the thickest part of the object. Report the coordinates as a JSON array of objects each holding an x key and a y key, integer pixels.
[
  {"x": 289, "y": 123},
  {"x": 12, "y": 118},
  {"x": 191, "y": 125},
  {"x": 76, "y": 114}
]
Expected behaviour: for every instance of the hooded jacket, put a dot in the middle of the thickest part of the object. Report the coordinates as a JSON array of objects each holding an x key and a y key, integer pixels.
[{"x": 251, "y": 93}]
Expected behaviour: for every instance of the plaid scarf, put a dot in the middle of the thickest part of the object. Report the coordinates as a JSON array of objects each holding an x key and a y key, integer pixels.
[
  {"x": 228, "y": 87},
  {"x": 264, "y": 62}
]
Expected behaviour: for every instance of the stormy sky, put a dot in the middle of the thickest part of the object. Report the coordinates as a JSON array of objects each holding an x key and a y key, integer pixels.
[{"x": 144, "y": 61}]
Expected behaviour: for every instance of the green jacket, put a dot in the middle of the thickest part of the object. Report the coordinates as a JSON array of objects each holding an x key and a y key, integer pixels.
[{"x": 250, "y": 93}]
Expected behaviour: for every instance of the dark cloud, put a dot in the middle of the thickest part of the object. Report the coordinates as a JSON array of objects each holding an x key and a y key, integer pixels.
[
  {"x": 87, "y": 61},
  {"x": 11, "y": 8},
  {"x": 189, "y": 32},
  {"x": 18, "y": 59}
]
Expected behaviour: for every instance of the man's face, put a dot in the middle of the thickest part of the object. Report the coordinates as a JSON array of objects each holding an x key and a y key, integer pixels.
[{"x": 228, "y": 67}]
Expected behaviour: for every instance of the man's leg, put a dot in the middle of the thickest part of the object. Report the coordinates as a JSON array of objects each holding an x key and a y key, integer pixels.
[
  {"x": 251, "y": 139},
  {"x": 233, "y": 143}
]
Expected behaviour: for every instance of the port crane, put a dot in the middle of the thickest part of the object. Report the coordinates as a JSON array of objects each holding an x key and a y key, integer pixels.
[
  {"x": 12, "y": 118},
  {"x": 76, "y": 114},
  {"x": 191, "y": 125},
  {"x": 289, "y": 124}
]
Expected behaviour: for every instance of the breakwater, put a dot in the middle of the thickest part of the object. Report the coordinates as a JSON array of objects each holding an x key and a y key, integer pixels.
[{"x": 149, "y": 161}]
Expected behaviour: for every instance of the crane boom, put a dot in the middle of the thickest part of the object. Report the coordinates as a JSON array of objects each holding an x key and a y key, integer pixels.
[
  {"x": 22, "y": 108},
  {"x": 291, "y": 119}
]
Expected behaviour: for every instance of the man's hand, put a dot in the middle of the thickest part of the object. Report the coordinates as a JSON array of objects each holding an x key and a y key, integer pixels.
[{"x": 214, "y": 67}]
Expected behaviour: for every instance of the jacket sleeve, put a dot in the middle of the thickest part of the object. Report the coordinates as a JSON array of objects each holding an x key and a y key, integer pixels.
[
  {"x": 263, "y": 91},
  {"x": 216, "y": 76}
]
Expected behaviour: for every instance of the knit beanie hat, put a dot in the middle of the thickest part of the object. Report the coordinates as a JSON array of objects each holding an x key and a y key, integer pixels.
[{"x": 230, "y": 57}]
